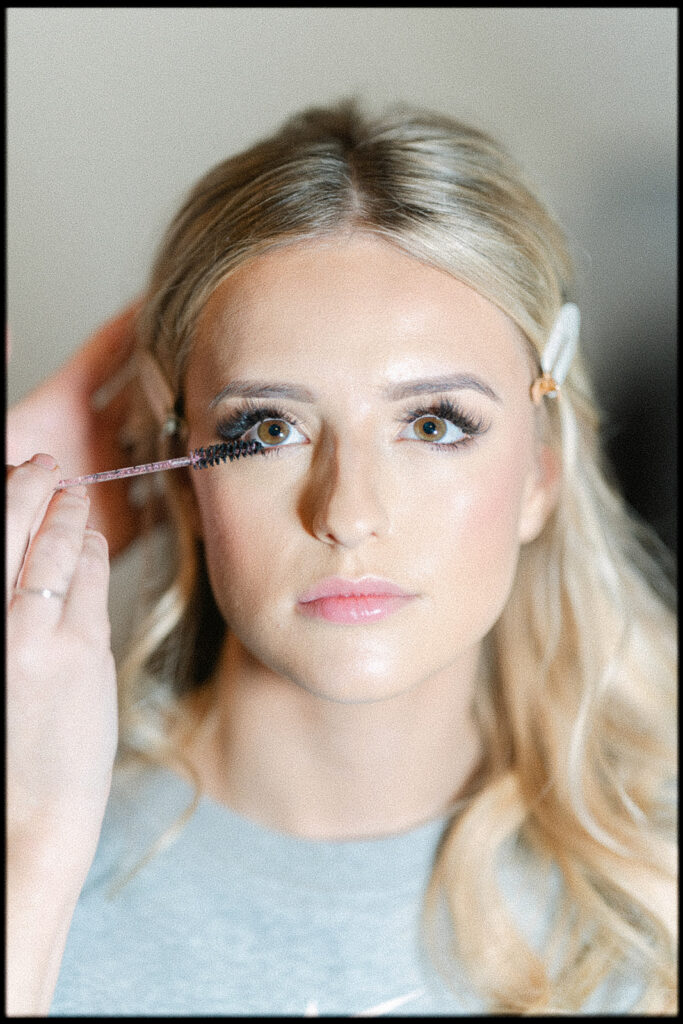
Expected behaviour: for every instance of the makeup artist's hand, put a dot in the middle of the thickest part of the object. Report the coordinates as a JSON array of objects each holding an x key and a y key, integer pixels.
[
  {"x": 61, "y": 720},
  {"x": 59, "y": 415},
  {"x": 61, "y": 678}
]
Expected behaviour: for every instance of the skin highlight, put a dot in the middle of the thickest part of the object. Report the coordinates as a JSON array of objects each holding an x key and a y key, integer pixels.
[{"x": 335, "y": 731}]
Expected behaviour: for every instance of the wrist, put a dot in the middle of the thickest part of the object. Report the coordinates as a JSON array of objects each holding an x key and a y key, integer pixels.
[
  {"x": 54, "y": 859},
  {"x": 41, "y": 899}
]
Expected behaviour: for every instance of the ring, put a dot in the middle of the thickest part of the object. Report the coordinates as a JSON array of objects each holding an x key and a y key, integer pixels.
[{"x": 39, "y": 591}]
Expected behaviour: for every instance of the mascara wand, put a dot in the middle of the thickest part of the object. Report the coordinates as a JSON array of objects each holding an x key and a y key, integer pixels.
[{"x": 200, "y": 458}]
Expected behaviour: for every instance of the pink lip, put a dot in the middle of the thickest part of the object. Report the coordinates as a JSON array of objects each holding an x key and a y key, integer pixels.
[{"x": 353, "y": 601}]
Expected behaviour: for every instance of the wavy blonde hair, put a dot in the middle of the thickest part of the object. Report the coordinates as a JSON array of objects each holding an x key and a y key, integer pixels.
[{"x": 576, "y": 702}]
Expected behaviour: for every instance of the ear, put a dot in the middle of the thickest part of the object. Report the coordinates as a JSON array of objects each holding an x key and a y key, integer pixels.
[{"x": 542, "y": 490}]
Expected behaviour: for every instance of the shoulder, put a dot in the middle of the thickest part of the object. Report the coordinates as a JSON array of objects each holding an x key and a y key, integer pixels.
[
  {"x": 144, "y": 804},
  {"x": 536, "y": 894}
]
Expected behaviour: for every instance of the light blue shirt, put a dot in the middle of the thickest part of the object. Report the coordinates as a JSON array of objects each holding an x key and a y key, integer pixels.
[{"x": 236, "y": 919}]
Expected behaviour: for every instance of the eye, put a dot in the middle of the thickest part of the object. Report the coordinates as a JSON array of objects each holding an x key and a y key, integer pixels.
[
  {"x": 271, "y": 426},
  {"x": 274, "y": 433},
  {"x": 435, "y": 429},
  {"x": 442, "y": 424}
]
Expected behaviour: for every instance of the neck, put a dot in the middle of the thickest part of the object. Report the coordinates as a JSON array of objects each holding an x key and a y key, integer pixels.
[{"x": 306, "y": 765}]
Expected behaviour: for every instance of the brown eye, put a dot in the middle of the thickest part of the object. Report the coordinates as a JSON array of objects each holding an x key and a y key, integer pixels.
[
  {"x": 273, "y": 432},
  {"x": 429, "y": 428}
]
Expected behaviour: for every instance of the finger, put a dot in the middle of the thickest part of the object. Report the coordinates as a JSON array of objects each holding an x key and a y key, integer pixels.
[
  {"x": 112, "y": 513},
  {"x": 113, "y": 432},
  {"x": 28, "y": 490},
  {"x": 45, "y": 411},
  {"x": 117, "y": 411},
  {"x": 86, "y": 608},
  {"x": 52, "y": 556},
  {"x": 107, "y": 351}
]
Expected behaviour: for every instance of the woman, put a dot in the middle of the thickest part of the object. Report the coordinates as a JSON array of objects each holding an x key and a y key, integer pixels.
[{"x": 397, "y": 731}]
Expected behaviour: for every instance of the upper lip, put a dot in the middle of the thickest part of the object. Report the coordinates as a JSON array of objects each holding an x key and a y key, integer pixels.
[{"x": 336, "y": 586}]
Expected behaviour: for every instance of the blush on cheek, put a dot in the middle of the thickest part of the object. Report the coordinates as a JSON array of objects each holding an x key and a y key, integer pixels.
[
  {"x": 494, "y": 516},
  {"x": 238, "y": 540},
  {"x": 484, "y": 537},
  {"x": 500, "y": 496}
]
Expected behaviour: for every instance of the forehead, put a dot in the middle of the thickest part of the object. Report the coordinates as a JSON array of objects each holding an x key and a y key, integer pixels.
[{"x": 350, "y": 309}]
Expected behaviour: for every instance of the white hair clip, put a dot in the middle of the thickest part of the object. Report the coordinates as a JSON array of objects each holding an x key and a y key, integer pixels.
[{"x": 558, "y": 353}]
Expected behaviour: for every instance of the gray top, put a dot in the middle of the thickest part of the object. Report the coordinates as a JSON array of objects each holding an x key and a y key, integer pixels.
[{"x": 236, "y": 919}]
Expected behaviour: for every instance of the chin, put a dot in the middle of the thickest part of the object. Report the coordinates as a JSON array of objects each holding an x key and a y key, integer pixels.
[
  {"x": 360, "y": 686},
  {"x": 353, "y": 695}
]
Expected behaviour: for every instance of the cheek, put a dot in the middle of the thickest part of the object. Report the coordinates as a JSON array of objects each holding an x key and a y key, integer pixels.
[
  {"x": 239, "y": 539},
  {"x": 476, "y": 554},
  {"x": 491, "y": 510}
]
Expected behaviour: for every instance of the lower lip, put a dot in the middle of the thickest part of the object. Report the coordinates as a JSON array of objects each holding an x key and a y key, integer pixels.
[{"x": 354, "y": 610}]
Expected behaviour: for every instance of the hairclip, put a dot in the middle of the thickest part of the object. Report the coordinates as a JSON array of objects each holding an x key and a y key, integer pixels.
[{"x": 558, "y": 353}]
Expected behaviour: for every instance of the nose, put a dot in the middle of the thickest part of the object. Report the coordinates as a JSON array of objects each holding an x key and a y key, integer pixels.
[{"x": 346, "y": 499}]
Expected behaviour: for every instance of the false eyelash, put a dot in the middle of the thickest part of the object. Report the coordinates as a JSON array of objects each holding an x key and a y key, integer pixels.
[
  {"x": 445, "y": 409},
  {"x": 249, "y": 413},
  {"x": 232, "y": 427}
]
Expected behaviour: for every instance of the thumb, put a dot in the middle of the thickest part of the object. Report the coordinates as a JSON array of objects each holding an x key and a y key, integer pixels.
[{"x": 106, "y": 352}]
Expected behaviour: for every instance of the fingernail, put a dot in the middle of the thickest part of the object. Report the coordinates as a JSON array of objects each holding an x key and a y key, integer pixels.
[
  {"x": 46, "y": 461},
  {"x": 77, "y": 490},
  {"x": 96, "y": 537}
]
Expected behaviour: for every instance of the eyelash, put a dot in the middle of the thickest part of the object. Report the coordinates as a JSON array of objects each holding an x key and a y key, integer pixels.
[
  {"x": 445, "y": 409},
  {"x": 250, "y": 413}
]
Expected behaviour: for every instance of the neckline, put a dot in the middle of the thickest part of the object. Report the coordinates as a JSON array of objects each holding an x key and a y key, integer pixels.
[{"x": 400, "y": 861}]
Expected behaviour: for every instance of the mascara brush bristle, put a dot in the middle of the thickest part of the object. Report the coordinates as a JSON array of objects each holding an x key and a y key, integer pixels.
[{"x": 217, "y": 453}]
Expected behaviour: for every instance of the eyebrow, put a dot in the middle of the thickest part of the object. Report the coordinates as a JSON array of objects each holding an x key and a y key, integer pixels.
[
  {"x": 262, "y": 389},
  {"x": 434, "y": 385},
  {"x": 392, "y": 393}
]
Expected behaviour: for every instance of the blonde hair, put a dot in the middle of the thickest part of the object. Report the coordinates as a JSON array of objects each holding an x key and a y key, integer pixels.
[{"x": 576, "y": 700}]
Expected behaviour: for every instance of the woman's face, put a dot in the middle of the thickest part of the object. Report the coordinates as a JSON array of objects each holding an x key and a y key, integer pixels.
[{"x": 402, "y": 446}]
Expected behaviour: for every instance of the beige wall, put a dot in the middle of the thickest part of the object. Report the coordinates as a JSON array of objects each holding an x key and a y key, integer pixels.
[{"x": 114, "y": 112}]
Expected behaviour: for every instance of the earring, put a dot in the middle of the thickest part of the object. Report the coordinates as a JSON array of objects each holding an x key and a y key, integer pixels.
[{"x": 172, "y": 425}]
